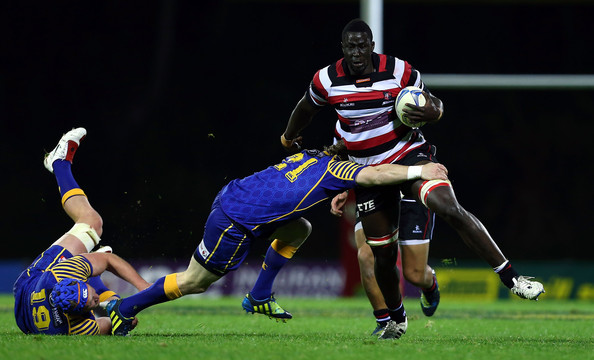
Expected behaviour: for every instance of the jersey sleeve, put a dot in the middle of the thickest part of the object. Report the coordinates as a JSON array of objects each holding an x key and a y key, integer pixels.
[
  {"x": 317, "y": 95},
  {"x": 83, "y": 325},
  {"x": 415, "y": 79},
  {"x": 77, "y": 267},
  {"x": 345, "y": 172}
]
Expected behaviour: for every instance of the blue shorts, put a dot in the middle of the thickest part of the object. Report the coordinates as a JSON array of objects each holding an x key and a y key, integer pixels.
[
  {"x": 225, "y": 243},
  {"x": 45, "y": 260}
]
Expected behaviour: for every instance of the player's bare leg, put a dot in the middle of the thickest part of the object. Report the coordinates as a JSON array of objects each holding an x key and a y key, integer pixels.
[
  {"x": 381, "y": 233},
  {"x": 88, "y": 223},
  {"x": 80, "y": 210},
  {"x": 417, "y": 272},
  {"x": 372, "y": 290},
  {"x": 194, "y": 280},
  {"x": 440, "y": 198}
]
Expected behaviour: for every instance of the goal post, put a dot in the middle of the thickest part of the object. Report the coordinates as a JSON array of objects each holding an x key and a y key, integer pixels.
[{"x": 509, "y": 81}]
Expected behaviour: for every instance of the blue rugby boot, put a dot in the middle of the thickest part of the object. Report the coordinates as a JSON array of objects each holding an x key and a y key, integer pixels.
[
  {"x": 430, "y": 299},
  {"x": 268, "y": 307},
  {"x": 120, "y": 325}
]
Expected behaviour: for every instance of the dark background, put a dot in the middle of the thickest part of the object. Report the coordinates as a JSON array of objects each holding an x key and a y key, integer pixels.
[{"x": 179, "y": 97}]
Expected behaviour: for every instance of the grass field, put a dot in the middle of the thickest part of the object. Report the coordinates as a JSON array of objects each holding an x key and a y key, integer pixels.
[{"x": 206, "y": 328}]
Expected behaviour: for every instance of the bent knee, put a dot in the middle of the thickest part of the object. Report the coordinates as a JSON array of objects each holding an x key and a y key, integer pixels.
[
  {"x": 93, "y": 219},
  {"x": 306, "y": 228},
  {"x": 414, "y": 276},
  {"x": 365, "y": 256},
  {"x": 366, "y": 262}
]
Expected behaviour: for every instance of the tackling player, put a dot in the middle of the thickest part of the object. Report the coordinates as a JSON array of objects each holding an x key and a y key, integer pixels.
[{"x": 266, "y": 205}]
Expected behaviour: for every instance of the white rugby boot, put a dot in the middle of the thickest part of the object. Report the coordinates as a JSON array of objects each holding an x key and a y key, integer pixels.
[
  {"x": 527, "y": 289},
  {"x": 66, "y": 148},
  {"x": 394, "y": 330}
]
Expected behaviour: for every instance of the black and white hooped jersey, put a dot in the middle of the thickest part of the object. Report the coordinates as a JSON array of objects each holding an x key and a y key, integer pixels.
[{"x": 364, "y": 104}]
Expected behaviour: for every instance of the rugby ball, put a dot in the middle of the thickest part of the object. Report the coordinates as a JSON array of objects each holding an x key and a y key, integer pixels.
[{"x": 409, "y": 95}]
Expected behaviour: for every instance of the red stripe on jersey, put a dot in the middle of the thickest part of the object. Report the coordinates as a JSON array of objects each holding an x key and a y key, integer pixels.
[
  {"x": 401, "y": 131},
  {"x": 383, "y": 61},
  {"x": 373, "y": 142},
  {"x": 318, "y": 84},
  {"x": 342, "y": 119},
  {"x": 405, "y": 149},
  {"x": 373, "y": 95},
  {"x": 339, "y": 69},
  {"x": 406, "y": 74}
]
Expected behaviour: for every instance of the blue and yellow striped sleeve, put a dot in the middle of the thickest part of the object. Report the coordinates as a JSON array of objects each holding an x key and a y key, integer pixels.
[
  {"x": 77, "y": 267},
  {"x": 83, "y": 326},
  {"x": 344, "y": 170}
]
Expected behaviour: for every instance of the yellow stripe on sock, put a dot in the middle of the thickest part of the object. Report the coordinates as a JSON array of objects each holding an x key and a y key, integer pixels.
[
  {"x": 71, "y": 193},
  {"x": 106, "y": 295},
  {"x": 283, "y": 249},
  {"x": 170, "y": 287}
]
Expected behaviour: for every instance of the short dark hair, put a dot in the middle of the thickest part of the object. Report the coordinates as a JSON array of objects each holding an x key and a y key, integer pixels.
[{"x": 357, "y": 25}]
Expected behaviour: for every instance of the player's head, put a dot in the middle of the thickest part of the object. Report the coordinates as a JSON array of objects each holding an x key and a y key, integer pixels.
[
  {"x": 71, "y": 296},
  {"x": 357, "y": 25},
  {"x": 357, "y": 47}
]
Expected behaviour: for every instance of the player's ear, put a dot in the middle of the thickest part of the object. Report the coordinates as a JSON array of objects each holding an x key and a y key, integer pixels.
[{"x": 372, "y": 46}]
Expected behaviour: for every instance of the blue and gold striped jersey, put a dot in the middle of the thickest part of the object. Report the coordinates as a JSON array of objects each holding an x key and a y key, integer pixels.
[
  {"x": 285, "y": 191},
  {"x": 33, "y": 311}
]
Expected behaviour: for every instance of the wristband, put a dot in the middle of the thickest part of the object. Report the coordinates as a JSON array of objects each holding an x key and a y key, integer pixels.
[
  {"x": 414, "y": 172},
  {"x": 286, "y": 143}
]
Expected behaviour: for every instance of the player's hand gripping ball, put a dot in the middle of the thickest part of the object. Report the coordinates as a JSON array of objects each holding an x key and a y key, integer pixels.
[{"x": 409, "y": 95}]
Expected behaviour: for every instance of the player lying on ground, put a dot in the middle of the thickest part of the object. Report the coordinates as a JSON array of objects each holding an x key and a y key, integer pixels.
[
  {"x": 57, "y": 293},
  {"x": 266, "y": 205}
]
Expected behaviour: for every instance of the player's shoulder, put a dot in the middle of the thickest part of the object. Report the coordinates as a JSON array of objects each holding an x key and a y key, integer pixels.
[
  {"x": 392, "y": 58},
  {"x": 77, "y": 267},
  {"x": 344, "y": 169},
  {"x": 390, "y": 62}
]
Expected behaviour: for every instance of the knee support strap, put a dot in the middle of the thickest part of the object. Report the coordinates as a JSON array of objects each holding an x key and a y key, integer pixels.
[
  {"x": 86, "y": 234},
  {"x": 383, "y": 240},
  {"x": 428, "y": 186}
]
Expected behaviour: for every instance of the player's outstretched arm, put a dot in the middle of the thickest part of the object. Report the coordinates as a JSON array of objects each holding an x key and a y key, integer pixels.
[
  {"x": 392, "y": 174},
  {"x": 300, "y": 118},
  {"x": 118, "y": 266}
]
